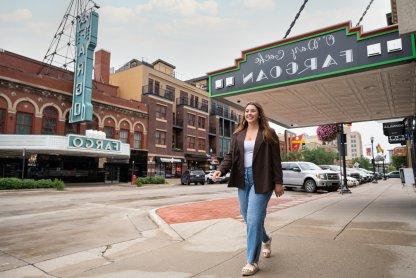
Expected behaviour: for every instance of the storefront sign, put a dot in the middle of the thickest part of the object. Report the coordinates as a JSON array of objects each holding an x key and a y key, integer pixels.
[
  {"x": 400, "y": 151},
  {"x": 85, "y": 42},
  {"x": 330, "y": 53},
  {"x": 394, "y": 128},
  {"x": 397, "y": 139},
  {"x": 83, "y": 142}
]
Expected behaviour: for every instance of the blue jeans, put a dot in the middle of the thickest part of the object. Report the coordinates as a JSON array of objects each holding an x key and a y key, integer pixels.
[{"x": 253, "y": 209}]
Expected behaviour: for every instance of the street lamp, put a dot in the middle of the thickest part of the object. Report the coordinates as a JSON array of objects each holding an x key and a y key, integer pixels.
[{"x": 373, "y": 160}]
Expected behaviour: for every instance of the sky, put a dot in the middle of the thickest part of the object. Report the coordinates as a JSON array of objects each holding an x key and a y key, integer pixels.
[{"x": 197, "y": 36}]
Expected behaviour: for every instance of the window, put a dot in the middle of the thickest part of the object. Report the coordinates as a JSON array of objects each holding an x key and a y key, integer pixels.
[
  {"x": 196, "y": 102},
  {"x": 160, "y": 137},
  {"x": 124, "y": 135},
  {"x": 109, "y": 131},
  {"x": 191, "y": 119},
  {"x": 161, "y": 111},
  {"x": 150, "y": 84},
  {"x": 204, "y": 106},
  {"x": 201, "y": 144},
  {"x": 191, "y": 142},
  {"x": 24, "y": 123},
  {"x": 71, "y": 128},
  {"x": 2, "y": 118},
  {"x": 201, "y": 122},
  {"x": 192, "y": 100},
  {"x": 49, "y": 121},
  {"x": 137, "y": 140},
  {"x": 157, "y": 87}
]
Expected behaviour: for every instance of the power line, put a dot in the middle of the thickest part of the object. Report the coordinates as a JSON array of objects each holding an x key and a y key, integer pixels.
[
  {"x": 364, "y": 13},
  {"x": 296, "y": 18}
]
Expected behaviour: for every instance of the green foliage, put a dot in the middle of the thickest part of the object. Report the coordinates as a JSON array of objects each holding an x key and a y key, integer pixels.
[
  {"x": 15, "y": 183},
  {"x": 391, "y": 168},
  {"x": 364, "y": 162},
  {"x": 398, "y": 161},
  {"x": 150, "y": 180},
  {"x": 318, "y": 156}
]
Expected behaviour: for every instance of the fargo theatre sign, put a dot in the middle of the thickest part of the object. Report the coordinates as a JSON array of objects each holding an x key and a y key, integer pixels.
[
  {"x": 85, "y": 42},
  {"x": 97, "y": 144},
  {"x": 332, "y": 52}
]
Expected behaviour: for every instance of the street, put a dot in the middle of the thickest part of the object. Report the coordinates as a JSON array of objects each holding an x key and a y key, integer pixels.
[{"x": 105, "y": 231}]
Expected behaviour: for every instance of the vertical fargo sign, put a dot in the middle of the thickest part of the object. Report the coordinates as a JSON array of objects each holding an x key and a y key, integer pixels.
[{"x": 85, "y": 43}]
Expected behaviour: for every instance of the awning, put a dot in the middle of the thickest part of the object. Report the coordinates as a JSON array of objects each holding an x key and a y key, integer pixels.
[
  {"x": 169, "y": 159},
  {"x": 197, "y": 157}
]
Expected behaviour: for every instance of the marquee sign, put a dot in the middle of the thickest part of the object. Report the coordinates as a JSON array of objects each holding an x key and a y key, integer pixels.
[
  {"x": 85, "y": 42},
  {"x": 89, "y": 143},
  {"x": 335, "y": 51}
]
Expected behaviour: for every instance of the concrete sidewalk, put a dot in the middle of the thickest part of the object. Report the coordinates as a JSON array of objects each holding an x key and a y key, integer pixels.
[{"x": 369, "y": 233}]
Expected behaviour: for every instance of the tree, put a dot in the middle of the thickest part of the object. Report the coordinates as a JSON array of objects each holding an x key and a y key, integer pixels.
[
  {"x": 318, "y": 156},
  {"x": 364, "y": 162},
  {"x": 398, "y": 161}
]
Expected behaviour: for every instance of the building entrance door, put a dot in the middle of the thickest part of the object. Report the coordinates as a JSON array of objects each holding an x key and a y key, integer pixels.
[{"x": 112, "y": 174}]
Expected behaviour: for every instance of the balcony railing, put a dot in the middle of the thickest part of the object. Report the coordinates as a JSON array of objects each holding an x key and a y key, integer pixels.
[
  {"x": 185, "y": 101},
  {"x": 178, "y": 122},
  {"x": 163, "y": 93},
  {"x": 224, "y": 112}
]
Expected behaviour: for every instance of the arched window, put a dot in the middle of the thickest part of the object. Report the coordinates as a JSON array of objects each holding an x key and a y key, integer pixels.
[
  {"x": 49, "y": 120},
  {"x": 3, "y": 114},
  {"x": 71, "y": 128},
  {"x": 109, "y": 127},
  {"x": 24, "y": 117}
]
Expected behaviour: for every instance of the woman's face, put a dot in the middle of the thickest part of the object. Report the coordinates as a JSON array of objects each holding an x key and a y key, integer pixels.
[{"x": 251, "y": 113}]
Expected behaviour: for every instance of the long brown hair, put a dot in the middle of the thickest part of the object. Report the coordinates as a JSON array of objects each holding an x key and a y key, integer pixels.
[{"x": 268, "y": 132}]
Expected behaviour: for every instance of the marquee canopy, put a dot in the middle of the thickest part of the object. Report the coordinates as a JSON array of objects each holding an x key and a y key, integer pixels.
[{"x": 336, "y": 74}]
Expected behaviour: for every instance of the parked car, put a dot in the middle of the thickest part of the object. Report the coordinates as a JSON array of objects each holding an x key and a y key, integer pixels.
[
  {"x": 193, "y": 176},
  {"x": 351, "y": 182},
  {"x": 309, "y": 176},
  {"x": 394, "y": 174},
  {"x": 350, "y": 172}
]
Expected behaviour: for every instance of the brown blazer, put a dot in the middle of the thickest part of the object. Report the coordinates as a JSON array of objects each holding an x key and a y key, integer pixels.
[{"x": 267, "y": 167}]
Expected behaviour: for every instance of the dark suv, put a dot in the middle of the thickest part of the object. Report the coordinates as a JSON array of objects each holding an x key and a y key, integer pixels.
[{"x": 193, "y": 176}]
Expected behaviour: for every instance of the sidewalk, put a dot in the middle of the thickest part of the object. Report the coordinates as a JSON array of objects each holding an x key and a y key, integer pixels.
[{"x": 369, "y": 233}]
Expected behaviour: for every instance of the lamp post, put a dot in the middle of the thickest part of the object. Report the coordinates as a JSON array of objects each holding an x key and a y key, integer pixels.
[{"x": 373, "y": 160}]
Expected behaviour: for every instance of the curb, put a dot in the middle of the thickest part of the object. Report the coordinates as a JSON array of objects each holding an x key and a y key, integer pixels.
[{"x": 165, "y": 227}]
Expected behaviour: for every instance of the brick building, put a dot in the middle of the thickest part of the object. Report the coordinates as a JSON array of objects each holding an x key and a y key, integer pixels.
[
  {"x": 187, "y": 130},
  {"x": 35, "y": 99}
]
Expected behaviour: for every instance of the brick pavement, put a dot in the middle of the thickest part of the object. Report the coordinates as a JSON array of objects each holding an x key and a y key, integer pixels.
[{"x": 223, "y": 208}]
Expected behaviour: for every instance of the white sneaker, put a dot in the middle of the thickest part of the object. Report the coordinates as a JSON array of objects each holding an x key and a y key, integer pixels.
[{"x": 267, "y": 248}]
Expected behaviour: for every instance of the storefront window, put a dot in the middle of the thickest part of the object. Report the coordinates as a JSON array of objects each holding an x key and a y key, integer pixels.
[
  {"x": 109, "y": 131},
  {"x": 2, "y": 119},
  {"x": 24, "y": 123},
  {"x": 124, "y": 135},
  {"x": 137, "y": 140},
  {"x": 49, "y": 120}
]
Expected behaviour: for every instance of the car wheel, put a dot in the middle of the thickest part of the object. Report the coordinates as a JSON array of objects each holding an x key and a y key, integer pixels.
[
  {"x": 203, "y": 183},
  {"x": 210, "y": 181},
  {"x": 310, "y": 186},
  {"x": 188, "y": 182}
]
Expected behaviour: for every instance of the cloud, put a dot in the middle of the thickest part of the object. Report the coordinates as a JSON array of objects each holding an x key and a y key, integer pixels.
[
  {"x": 117, "y": 14},
  {"x": 183, "y": 7},
  {"x": 18, "y": 15},
  {"x": 259, "y": 4}
]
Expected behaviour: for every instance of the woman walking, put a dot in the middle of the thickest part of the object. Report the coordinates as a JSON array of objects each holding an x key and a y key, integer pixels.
[{"x": 255, "y": 164}]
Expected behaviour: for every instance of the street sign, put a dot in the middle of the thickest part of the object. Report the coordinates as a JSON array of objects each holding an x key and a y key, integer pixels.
[
  {"x": 393, "y": 128},
  {"x": 85, "y": 42},
  {"x": 397, "y": 139}
]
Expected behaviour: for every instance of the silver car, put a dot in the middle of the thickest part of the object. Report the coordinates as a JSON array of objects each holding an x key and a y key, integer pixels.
[{"x": 309, "y": 176}]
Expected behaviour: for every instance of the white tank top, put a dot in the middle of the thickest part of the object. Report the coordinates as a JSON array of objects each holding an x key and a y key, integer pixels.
[{"x": 248, "y": 152}]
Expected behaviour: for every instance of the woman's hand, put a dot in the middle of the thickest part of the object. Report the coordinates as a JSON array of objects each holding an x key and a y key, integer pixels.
[
  {"x": 216, "y": 175},
  {"x": 278, "y": 190}
]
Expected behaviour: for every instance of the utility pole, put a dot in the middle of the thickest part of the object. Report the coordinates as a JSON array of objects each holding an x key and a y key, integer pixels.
[{"x": 373, "y": 160}]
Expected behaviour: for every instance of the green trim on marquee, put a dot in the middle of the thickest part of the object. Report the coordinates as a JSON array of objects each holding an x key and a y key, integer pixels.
[{"x": 318, "y": 76}]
